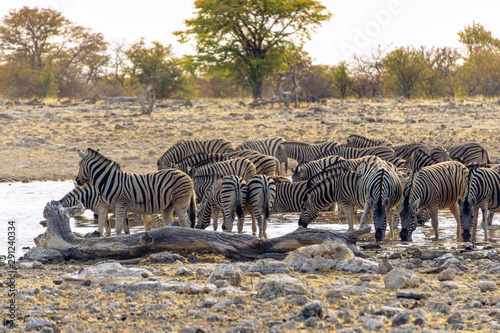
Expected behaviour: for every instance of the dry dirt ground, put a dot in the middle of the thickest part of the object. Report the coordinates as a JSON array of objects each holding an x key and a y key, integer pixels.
[{"x": 39, "y": 143}]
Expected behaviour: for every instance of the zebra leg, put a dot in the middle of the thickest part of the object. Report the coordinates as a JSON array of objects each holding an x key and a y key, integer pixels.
[
  {"x": 455, "y": 210},
  {"x": 366, "y": 212},
  {"x": 167, "y": 215},
  {"x": 102, "y": 220},
  {"x": 120, "y": 213},
  {"x": 485, "y": 220},
  {"x": 215, "y": 219},
  {"x": 434, "y": 221},
  {"x": 148, "y": 222},
  {"x": 349, "y": 212},
  {"x": 390, "y": 221}
]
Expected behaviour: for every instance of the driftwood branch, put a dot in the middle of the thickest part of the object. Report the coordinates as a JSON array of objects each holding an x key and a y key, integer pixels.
[
  {"x": 236, "y": 246},
  {"x": 147, "y": 100}
]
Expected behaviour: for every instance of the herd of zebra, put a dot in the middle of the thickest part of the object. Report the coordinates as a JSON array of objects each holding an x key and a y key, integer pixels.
[{"x": 198, "y": 179}]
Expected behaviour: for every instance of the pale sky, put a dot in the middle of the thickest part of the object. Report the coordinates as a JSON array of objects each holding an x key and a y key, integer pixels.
[{"x": 358, "y": 26}]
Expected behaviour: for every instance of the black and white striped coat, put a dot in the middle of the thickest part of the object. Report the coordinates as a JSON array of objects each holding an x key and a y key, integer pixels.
[
  {"x": 269, "y": 146},
  {"x": 382, "y": 152},
  {"x": 156, "y": 192},
  {"x": 404, "y": 151},
  {"x": 373, "y": 186},
  {"x": 482, "y": 192},
  {"x": 306, "y": 170},
  {"x": 261, "y": 193},
  {"x": 419, "y": 159},
  {"x": 466, "y": 153},
  {"x": 238, "y": 167},
  {"x": 91, "y": 199},
  {"x": 358, "y": 141},
  {"x": 228, "y": 195},
  {"x": 183, "y": 149},
  {"x": 304, "y": 152},
  {"x": 435, "y": 187}
]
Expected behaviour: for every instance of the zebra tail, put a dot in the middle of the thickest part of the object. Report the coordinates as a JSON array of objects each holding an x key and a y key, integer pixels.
[
  {"x": 192, "y": 210},
  {"x": 266, "y": 202},
  {"x": 239, "y": 204}
]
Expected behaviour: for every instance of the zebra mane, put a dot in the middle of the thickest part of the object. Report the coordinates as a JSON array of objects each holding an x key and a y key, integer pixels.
[
  {"x": 96, "y": 154},
  {"x": 209, "y": 159},
  {"x": 331, "y": 173},
  {"x": 411, "y": 181}
]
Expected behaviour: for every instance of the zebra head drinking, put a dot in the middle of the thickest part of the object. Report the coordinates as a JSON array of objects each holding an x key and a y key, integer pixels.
[{"x": 482, "y": 192}]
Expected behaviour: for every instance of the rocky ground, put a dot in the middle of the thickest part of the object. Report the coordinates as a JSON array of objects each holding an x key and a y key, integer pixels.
[{"x": 321, "y": 288}]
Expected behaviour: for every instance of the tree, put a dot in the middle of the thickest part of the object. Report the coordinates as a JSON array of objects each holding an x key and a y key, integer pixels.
[
  {"x": 251, "y": 39},
  {"x": 368, "y": 72},
  {"x": 477, "y": 38},
  {"x": 29, "y": 37},
  {"x": 342, "y": 80},
  {"x": 404, "y": 68},
  {"x": 156, "y": 66}
]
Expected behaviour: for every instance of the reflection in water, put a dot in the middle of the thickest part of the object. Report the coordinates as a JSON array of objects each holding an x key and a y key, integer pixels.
[{"x": 24, "y": 203}]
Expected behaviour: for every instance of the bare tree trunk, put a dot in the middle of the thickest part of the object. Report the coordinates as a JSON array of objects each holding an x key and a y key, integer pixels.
[
  {"x": 147, "y": 100},
  {"x": 237, "y": 246}
]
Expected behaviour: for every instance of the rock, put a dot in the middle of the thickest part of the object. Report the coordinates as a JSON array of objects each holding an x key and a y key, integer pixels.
[
  {"x": 447, "y": 275},
  {"x": 388, "y": 311},
  {"x": 268, "y": 266},
  {"x": 400, "y": 319},
  {"x": 166, "y": 257},
  {"x": 486, "y": 286},
  {"x": 30, "y": 265},
  {"x": 112, "y": 269},
  {"x": 312, "y": 309},
  {"x": 296, "y": 300},
  {"x": 401, "y": 278},
  {"x": 183, "y": 271},
  {"x": 372, "y": 323},
  {"x": 439, "y": 307},
  {"x": 357, "y": 265},
  {"x": 384, "y": 267},
  {"x": 249, "y": 116},
  {"x": 493, "y": 270},
  {"x": 318, "y": 257},
  {"x": 209, "y": 302},
  {"x": 186, "y": 132},
  {"x": 43, "y": 255},
  {"x": 35, "y": 323},
  {"x": 280, "y": 286},
  {"x": 192, "y": 329},
  {"x": 414, "y": 294},
  {"x": 227, "y": 272}
]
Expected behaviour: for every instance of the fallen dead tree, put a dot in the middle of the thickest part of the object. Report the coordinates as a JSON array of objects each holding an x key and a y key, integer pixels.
[{"x": 234, "y": 246}]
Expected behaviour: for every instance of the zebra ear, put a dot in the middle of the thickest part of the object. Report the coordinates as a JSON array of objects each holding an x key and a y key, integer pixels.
[
  {"x": 82, "y": 155},
  {"x": 416, "y": 203},
  {"x": 386, "y": 202},
  {"x": 473, "y": 201},
  {"x": 460, "y": 201}
]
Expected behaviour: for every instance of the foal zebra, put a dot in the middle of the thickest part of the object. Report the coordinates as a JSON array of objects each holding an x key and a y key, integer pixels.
[
  {"x": 162, "y": 191},
  {"x": 185, "y": 148},
  {"x": 467, "y": 153},
  {"x": 358, "y": 141},
  {"x": 91, "y": 199},
  {"x": 435, "y": 187},
  {"x": 228, "y": 194},
  {"x": 483, "y": 191}
]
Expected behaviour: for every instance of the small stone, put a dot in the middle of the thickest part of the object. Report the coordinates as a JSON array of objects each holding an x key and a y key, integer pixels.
[
  {"x": 400, "y": 319},
  {"x": 312, "y": 309},
  {"x": 384, "y": 267},
  {"x": 439, "y": 307},
  {"x": 446, "y": 275},
  {"x": 248, "y": 116},
  {"x": 486, "y": 286},
  {"x": 186, "y": 132}
]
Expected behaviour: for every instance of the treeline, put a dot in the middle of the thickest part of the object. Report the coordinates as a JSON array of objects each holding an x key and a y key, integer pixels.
[{"x": 43, "y": 54}]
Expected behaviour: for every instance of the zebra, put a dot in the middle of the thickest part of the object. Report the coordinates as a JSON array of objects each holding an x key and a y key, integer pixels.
[
  {"x": 482, "y": 192},
  {"x": 380, "y": 189},
  {"x": 320, "y": 196},
  {"x": 238, "y": 167},
  {"x": 261, "y": 193},
  {"x": 306, "y": 170},
  {"x": 382, "y": 152},
  {"x": 305, "y": 152},
  {"x": 185, "y": 148},
  {"x": 358, "y": 141},
  {"x": 289, "y": 196},
  {"x": 203, "y": 183},
  {"x": 404, "y": 151},
  {"x": 91, "y": 199},
  {"x": 161, "y": 191},
  {"x": 466, "y": 153},
  {"x": 227, "y": 194},
  {"x": 434, "y": 187},
  {"x": 419, "y": 159},
  {"x": 269, "y": 146}
]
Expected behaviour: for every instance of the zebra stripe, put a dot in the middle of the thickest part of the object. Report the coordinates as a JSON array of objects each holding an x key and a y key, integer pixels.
[
  {"x": 384, "y": 153},
  {"x": 306, "y": 170},
  {"x": 202, "y": 185},
  {"x": 91, "y": 199},
  {"x": 185, "y": 148},
  {"x": 156, "y": 192},
  {"x": 228, "y": 194},
  {"x": 379, "y": 189},
  {"x": 435, "y": 187},
  {"x": 261, "y": 193},
  {"x": 304, "y": 152},
  {"x": 289, "y": 197},
  {"x": 269, "y": 146},
  {"x": 358, "y": 141},
  {"x": 320, "y": 196},
  {"x": 419, "y": 159},
  {"x": 466, "y": 153},
  {"x": 404, "y": 151},
  {"x": 482, "y": 192},
  {"x": 238, "y": 167}
]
